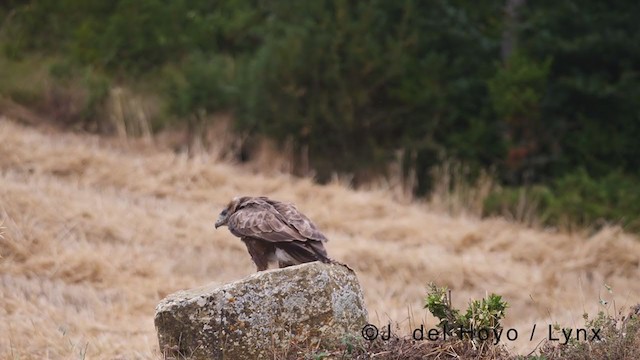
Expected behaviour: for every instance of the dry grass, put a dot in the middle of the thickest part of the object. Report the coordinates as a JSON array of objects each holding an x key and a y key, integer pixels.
[{"x": 95, "y": 234}]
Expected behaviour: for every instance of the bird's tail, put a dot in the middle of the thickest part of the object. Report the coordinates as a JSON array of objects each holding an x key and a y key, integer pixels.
[
  {"x": 322, "y": 256},
  {"x": 310, "y": 251}
]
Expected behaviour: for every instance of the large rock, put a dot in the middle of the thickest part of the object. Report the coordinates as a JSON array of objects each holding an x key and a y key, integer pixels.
[{"x": 264, "y": 314}]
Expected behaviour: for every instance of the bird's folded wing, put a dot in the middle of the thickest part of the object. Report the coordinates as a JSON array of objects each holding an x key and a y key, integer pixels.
[
  {"x": 299, "y": 221},
  {"x": 262, "y": 223}
]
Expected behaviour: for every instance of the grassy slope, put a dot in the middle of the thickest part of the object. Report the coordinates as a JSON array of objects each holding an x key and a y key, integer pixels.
[{"x": 96, "y": 234}]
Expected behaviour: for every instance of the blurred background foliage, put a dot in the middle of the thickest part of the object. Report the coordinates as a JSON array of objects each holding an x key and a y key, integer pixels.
[{"x": 545, "y": 95}]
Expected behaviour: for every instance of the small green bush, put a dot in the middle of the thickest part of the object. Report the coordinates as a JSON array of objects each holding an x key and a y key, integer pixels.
[{"x": 481, "y": 314}]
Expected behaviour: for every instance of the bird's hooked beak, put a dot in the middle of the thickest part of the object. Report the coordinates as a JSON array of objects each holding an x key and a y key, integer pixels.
[{"x": 222, "y": 219}]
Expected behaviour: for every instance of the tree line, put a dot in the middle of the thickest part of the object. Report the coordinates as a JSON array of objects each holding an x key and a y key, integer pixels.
[{"x": 543, "y": 93}]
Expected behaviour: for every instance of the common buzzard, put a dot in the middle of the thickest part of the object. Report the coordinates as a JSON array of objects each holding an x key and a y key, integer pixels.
[{"x": 273, "y": 231}]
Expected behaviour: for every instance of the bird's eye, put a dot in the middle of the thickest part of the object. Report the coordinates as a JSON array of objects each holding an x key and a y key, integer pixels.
[{"x": 224, "y": 212}]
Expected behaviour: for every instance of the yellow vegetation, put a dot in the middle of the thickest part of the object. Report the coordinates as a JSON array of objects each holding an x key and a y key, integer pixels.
[{"x": 96, "y": 233}]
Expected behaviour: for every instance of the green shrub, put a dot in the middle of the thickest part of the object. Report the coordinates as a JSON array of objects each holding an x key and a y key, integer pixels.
[
  {"x": 582, "y": 199},
  {"x": 481, "y": 314},
  {"x": 573, "y": 199}
]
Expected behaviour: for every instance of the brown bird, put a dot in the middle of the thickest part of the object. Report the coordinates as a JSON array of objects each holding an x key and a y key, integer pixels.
[{"x": 273, "y": 231}]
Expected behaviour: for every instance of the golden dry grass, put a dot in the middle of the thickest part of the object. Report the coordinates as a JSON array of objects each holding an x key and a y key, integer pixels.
[{"x": 96, "y": 233}]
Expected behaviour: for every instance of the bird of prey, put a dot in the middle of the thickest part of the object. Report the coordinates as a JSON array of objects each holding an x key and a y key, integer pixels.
[{"x": 273, "y": 231}]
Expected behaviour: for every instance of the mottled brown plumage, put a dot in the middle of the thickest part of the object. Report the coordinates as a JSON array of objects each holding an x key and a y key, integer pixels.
[{"x": 273, "y": 231}]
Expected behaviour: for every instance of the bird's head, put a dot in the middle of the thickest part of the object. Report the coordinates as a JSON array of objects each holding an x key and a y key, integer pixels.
[{"x": 227, "y": 211}]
